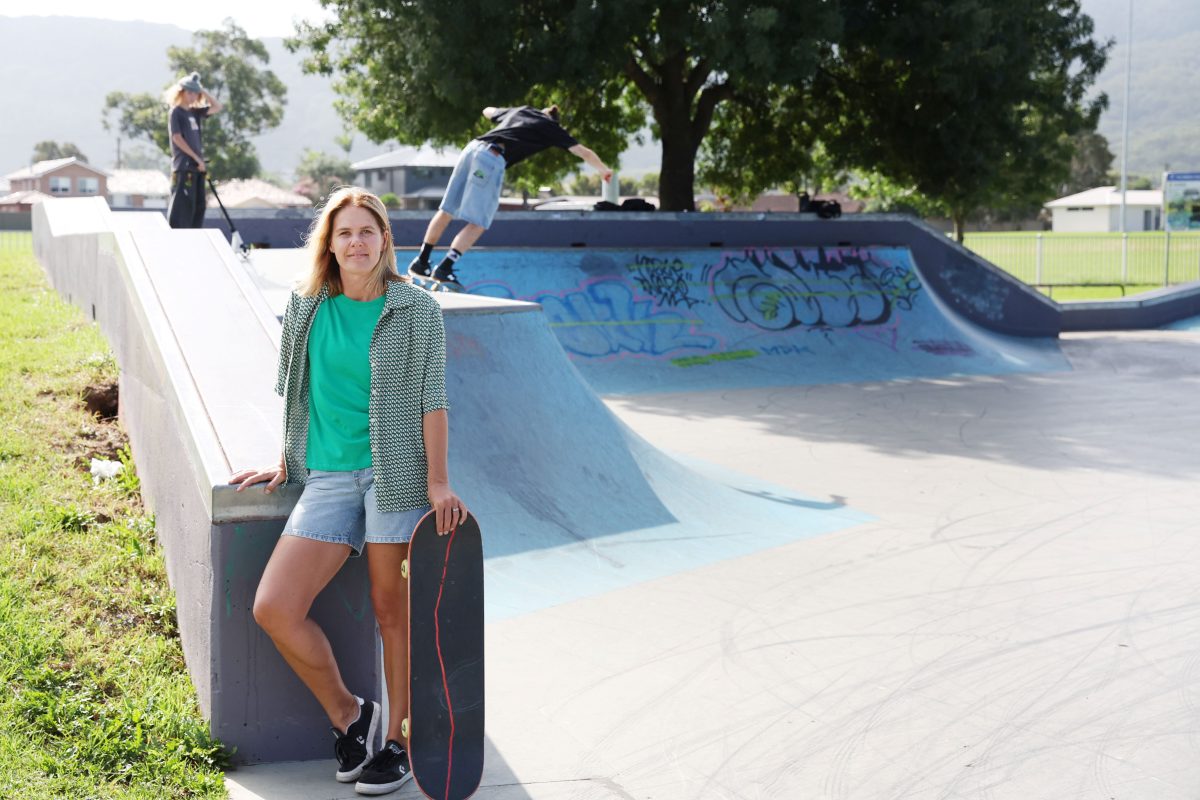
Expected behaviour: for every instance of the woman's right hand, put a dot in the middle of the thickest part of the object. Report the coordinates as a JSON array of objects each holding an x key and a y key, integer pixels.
[{"x": 273, "y": 476}]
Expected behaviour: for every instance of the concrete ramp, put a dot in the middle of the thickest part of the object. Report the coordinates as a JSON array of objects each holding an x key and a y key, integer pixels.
[{"x": 647, "y": 320}]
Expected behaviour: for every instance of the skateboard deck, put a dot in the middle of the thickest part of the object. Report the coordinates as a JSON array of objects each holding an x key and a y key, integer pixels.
[
  {"x": 430, "y": 285},
  {"x": 445, "y": 658}
]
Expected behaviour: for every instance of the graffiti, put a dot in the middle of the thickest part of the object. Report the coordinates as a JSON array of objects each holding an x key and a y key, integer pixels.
[
  {"x": 777, "y": 291},
  {"x": 607, "y": 319},
  {"x": 712, "y": 358},
  {"x": 786, "y": 350},
  {"x": 664, "y": 280},
  {"x": 975, "y": 289},
  {"x": 943, "y": 347}
]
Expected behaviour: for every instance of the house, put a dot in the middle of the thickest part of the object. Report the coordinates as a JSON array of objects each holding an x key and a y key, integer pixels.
[
  {"x": 255, "y": 193},
  {"x": 1099, "y": 211},
  {"x": 138, "y": 188},
  {"x": 417, "y": 175},
  {"x": 60, "y": 177},
  {"x": 25, "y": 200}
]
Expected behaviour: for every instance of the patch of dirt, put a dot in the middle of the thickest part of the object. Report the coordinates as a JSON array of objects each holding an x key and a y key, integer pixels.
[
  {"x": 98, "y": 439},
  {"x": 102, "y": 399}
]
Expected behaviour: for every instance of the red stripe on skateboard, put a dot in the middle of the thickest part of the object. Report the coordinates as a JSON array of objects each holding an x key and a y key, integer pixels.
[{"x": 437, "y": 629}]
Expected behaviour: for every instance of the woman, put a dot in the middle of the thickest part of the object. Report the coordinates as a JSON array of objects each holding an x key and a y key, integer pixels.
[{"x": 362, "y": 372}]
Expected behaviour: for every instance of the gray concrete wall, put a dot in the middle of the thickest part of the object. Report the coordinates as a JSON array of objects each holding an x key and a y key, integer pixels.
[{"x": 1148, "y": 310}]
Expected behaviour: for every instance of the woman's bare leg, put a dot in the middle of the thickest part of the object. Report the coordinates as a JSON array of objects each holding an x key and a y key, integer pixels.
[
  {"x": 298, "y": 570},
  {"x": 389, "y": 596}
]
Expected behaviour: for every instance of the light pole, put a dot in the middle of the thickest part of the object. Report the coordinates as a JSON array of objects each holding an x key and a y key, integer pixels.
[{"x": 1125, "y": 114}]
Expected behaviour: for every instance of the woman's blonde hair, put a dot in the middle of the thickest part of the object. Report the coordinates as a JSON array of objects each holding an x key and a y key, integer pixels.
[
  {"x": 173, "y": 95},
  {"x": 324, "y": 270}
]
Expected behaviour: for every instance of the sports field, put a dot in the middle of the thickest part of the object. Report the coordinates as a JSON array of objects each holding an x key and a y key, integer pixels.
[{"x": 1140, "y": 262}]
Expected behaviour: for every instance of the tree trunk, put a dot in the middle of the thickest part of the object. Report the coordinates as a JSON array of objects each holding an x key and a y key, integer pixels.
[
  {"x": 677, "y": 173},
  {"x": 959, "y": 222}
]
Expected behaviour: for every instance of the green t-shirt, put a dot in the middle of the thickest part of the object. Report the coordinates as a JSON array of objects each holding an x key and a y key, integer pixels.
[{"x": 339, "y": 380}]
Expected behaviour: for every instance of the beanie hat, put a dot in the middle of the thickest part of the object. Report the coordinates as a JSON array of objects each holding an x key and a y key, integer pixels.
[{"x": 191, "y": 83}]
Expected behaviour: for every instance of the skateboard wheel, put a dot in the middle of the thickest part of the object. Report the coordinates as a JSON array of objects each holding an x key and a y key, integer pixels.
[
  {"x": 404, "y": 728},
  {"x": 404, "y": 569}
]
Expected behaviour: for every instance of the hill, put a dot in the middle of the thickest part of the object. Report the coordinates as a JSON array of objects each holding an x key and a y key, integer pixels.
[{"x": 1164, "y": 126}]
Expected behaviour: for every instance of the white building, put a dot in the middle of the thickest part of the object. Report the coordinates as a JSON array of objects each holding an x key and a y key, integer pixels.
[
  {"x": 138, "y": 188},
  {"x": 1099, "y": 211}
]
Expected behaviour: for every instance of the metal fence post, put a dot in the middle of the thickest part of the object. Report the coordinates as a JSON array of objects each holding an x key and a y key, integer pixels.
[
  {"x": 1039, "y": 258},
  {"x": 1124, "y": 258},
  {"x": 1167, "y": 257}
]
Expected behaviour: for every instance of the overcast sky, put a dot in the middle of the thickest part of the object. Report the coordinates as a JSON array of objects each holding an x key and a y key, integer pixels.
[{"x": 259, "y": 19}]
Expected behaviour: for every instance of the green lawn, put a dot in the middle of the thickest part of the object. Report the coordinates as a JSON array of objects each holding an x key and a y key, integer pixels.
[
  {"x": 94, "y": 698},
  {"x": 1092, "y": 258}
]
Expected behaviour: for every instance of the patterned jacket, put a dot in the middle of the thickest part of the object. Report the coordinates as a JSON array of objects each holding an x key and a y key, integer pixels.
[{"x": 408, "y": 380}]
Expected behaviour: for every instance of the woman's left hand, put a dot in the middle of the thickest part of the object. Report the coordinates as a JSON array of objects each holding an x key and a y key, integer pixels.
[{"x": 448, "y": 509}]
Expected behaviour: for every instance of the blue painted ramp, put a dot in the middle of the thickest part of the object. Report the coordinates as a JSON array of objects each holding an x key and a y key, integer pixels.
[
  {"x": 686, "y": 320},
  {"x": 579, "y": 503}
]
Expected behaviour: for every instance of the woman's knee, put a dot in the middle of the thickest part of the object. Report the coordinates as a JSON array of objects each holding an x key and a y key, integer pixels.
[
  {"x": 391, "y": 607},
  {"x": 272, "y": 613}
]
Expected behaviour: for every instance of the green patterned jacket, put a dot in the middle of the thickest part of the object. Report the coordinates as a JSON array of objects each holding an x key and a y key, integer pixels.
[{"x": 408, "y": 380}]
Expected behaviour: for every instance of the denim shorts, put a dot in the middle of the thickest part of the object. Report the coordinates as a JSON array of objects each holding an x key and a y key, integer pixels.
[
  {"x": 340, "y": 507},
  {"x": 474, "y": 191}
]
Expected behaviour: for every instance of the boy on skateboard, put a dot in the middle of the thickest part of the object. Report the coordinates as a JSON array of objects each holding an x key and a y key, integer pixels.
[{"x": 474, "y": 191}]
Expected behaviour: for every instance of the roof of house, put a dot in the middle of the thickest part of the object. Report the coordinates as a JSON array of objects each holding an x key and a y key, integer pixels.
[
  {"x": 1109, "y": 196},
  {"x": 256, "y": 193},
  {"x": 405, "y": 156},
  {"x": 144, "y": 182},
  {"x": 45, "y": 167},
  {"x": 27, "y": 197}
]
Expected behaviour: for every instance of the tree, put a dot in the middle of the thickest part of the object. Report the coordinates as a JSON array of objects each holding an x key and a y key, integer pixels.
[
  {"x": 231, "y": 66},
  {"x": 50, "y": 150},
  {"x": 971, "y": 103},
  {"x": 403, "y": 73},
  {"x": 1090, "y": 162},
  {"x": 319, "y": 173}
]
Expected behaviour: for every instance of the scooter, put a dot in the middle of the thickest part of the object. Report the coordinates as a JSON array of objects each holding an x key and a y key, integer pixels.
[{"x": 235, "y": 239}]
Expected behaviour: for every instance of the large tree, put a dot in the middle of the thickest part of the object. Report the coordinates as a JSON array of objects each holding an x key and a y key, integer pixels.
[
  {"x": 232, "y": 68},
  {"x": 970, "y": 102},
  {"x": 417, "y": 70}
]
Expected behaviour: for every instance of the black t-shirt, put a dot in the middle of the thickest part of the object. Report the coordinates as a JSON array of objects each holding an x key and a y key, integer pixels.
[
  {"x": 526, "y": 131},
  {"x": 186, "y": 122}
]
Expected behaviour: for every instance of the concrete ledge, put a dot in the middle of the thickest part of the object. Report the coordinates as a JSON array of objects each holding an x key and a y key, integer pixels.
[{"x": 1147, "y": 310}]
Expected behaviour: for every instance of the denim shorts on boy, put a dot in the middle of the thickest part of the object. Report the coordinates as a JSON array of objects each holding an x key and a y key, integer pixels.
[
  {"x": 339, "y": 507},
  {"x": 474, "y": 191}
]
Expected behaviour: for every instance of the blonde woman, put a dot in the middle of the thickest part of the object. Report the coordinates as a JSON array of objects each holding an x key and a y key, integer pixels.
[
  {"x": 190, "y": 106},
  {"x": 362, "y": 373}
]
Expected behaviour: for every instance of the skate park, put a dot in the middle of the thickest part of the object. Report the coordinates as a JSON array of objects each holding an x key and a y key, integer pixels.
[{"x": 826, "y": 511}]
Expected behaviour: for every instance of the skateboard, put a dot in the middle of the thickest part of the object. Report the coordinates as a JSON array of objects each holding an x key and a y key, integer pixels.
[
  {"x": 431, "y": 285},
  {"x": 445, "y": 658}
]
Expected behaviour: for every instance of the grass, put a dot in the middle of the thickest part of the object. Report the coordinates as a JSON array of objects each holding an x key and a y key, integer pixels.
[
  {"x": 95, "y": 701},
  {"x": 1092, "y": 258}
]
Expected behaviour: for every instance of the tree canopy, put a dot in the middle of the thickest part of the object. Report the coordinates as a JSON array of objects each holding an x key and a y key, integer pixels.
[
  {"x": 50, "y": 150},
  {"x": 232, "y": 69},
  {"x": 967, "y": 101},
  {"x": 970, "y": 102}
]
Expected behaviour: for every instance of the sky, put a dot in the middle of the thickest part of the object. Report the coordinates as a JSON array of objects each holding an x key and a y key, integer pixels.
[{"x": 258, "y": 19}]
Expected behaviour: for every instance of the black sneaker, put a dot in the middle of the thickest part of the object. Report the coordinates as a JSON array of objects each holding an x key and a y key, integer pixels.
[
  {"x": 355, "y": 747},
  {"x": 386, "y": 772},
  {"x": 446, "y": 277},
  {"x": 420, "y": 268}
]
